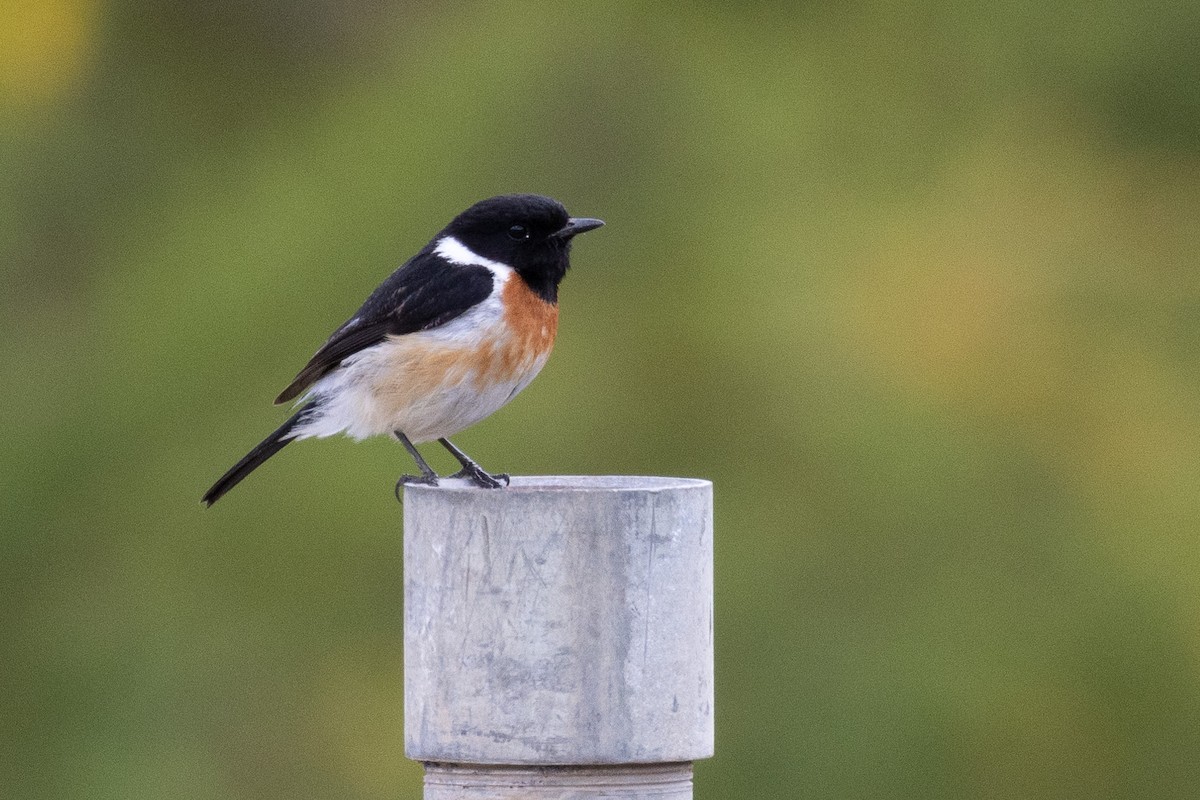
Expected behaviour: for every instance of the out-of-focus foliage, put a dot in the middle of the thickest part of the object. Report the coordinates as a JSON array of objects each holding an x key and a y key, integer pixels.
[{"x": 916, "y": 286}]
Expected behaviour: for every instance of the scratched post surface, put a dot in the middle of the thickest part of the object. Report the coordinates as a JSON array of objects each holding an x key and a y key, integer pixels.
[{"x": 560, "y": 621}]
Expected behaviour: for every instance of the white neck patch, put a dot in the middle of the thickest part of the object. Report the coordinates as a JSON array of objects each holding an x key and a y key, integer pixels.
[{"x": 456, "y": 252}]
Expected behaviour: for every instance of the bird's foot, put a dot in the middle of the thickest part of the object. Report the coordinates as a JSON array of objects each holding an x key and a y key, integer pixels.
[
  {"x": 426, "y": 479},
  {"x": 476, "y": 475}
]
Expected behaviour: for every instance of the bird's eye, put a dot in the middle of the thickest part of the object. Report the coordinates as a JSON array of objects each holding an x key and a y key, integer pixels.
[{"x": 518, "y": 233}]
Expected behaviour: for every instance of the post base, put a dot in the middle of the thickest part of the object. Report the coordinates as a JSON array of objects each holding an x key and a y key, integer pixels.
[{"x": 611, "y": 782}]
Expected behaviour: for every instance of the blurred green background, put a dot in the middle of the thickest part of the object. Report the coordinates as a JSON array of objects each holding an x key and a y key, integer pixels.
[{"x": 915, "y": 286}]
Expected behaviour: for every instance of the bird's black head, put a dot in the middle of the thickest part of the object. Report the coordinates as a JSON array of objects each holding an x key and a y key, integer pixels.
[{"x": 528, "y": 232}]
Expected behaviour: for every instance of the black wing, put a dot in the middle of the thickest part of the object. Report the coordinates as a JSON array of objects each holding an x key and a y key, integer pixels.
[{"x": 424, "y": 293}]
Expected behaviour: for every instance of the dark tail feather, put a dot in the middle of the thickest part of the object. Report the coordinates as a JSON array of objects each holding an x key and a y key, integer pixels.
[{"x": 265, "y": 449}]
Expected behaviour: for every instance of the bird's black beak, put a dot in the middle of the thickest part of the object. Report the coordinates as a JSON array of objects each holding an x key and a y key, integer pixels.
[{"x": 576, "y": 225}]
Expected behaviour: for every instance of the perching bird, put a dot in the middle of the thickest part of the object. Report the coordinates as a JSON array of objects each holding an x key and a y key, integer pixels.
[{"x": 447, "y": 339}]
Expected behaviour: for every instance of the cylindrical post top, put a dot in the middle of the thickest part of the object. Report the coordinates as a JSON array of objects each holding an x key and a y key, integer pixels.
[
  {"x": 562, "y": 620},
  {"x": 575, "y": 484}
]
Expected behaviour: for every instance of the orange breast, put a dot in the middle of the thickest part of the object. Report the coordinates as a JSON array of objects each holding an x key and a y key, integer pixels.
[
  {"x": 530, "y": 326},
  {"x": 533, "y": 321}
]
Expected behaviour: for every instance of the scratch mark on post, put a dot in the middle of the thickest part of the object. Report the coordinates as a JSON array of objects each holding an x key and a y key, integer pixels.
[
  {"x": 467, "y": 583},
  {"x": 467, "y": 604},
  {"x": 470, "y": 607},
  {"x": 487, "y": 552},
  {"x": 649, "y": 571},
  {"x": 533, "y": 570},
  {"x": 532, "y": 567}
]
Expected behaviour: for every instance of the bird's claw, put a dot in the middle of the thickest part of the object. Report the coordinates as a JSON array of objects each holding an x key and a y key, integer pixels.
[
  {"x": 424, "y": 480},
  {"x": 482, "y": 479}
]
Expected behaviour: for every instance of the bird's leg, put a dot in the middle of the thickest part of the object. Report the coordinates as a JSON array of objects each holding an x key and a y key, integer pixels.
[
  {"x": 427, "y": 476},
  {"x": 473, "y": 471}
]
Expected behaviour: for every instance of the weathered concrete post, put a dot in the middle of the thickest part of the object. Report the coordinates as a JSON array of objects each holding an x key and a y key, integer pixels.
[{"x": 558, "y": 637}]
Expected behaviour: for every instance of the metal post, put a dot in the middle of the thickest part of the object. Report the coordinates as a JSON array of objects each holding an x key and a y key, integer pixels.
[{"x": 558, "y": 637}]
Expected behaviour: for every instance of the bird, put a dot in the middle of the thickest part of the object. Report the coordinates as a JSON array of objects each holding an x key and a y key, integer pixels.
[{"x": 445, "y": 341}]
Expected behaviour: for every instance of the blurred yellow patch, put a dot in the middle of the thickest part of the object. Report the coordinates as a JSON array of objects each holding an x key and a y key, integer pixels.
[
  {"x": 43, "y": 45},
  {"x": 1024, "y": 267}
]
